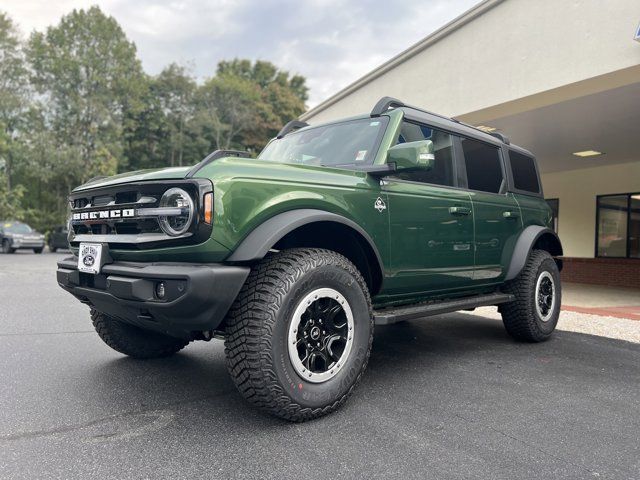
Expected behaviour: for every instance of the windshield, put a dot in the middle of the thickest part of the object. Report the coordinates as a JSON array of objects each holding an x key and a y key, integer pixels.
[
  {"x": 17, "y": 228},
  {"x": 354, "y": 142}
]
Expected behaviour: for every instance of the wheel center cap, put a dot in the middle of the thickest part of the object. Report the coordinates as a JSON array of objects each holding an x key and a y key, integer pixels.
[{"x": 315, "y": 333}]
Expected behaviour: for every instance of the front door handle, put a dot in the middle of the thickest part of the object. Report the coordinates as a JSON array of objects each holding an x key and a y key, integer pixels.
[
  {"x": 510, "y": 214},
  {"x": 459, "y": 211}
]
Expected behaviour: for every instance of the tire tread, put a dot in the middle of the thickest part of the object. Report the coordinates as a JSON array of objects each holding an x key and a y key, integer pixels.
[{"x": 251, "y": 321}]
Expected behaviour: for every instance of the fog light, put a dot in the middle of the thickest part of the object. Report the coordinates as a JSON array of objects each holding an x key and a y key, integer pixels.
[{"x": 160, "y": 291}]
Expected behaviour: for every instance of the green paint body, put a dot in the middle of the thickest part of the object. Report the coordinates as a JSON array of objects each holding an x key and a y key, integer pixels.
[{"x": 426, "y": 251}]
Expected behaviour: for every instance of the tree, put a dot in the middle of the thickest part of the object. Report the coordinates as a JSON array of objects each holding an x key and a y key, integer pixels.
[
  {"x": 227, "y": 106},
  {"x": 14, "y": 88},
  {"x": 88, "y": 73},
  {"x": 251, "y": 102},
  {"x": 175, "y": 90}
]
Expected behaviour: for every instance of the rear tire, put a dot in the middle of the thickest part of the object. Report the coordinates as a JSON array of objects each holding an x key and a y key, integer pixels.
[
  {"x": 534, "y": 314},
  {"x": 133, "y": 341},
  {"x": 52, "y": 249},
  {"x": 299, "y": 335},
  {"x": 38, "y": 250}
]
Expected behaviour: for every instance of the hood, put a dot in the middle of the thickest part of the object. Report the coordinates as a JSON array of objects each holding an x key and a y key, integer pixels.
[
  {"x": 232, "y": 167},
  {"x": 227, "y": 168},
  {"x": 171, "y": 173}
]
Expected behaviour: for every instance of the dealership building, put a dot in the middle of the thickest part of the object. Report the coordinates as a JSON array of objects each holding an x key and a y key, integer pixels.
[{"x": 560, "y": 78}]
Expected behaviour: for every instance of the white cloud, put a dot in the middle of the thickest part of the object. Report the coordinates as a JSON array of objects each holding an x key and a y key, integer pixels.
[{"x": 331, "y": 42}]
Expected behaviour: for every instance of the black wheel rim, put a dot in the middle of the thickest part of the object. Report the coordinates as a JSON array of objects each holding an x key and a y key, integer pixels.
[
  {"x": 320, "y": 335},
  {"x": 545, "y": 296}
]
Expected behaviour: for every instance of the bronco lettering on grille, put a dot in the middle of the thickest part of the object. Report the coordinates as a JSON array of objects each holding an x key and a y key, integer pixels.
[{"x": 105, "y": 214}]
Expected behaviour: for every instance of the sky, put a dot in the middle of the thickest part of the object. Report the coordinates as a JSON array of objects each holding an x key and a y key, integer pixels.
[{"x": 330, "y": 42}]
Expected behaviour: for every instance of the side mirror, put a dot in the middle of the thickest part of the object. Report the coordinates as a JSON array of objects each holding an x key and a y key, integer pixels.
[{"x": 412, "y": 155}]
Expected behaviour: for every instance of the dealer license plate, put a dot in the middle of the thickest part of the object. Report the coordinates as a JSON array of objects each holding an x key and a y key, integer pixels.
[{"x": 90, "y": 257}]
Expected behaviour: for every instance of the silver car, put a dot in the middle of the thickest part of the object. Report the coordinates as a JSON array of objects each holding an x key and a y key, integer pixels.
[{"x": 18, "y": 235}]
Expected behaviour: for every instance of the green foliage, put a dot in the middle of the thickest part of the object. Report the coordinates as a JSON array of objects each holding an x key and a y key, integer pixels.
[{"x": 75, "y": 103}]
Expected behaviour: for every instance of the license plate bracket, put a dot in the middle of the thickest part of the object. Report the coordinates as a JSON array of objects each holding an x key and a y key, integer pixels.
[{"x": 92, "y": 257}]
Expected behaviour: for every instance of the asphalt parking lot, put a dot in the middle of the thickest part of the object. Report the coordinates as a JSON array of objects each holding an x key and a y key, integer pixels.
[{"x": 448, "y": 397}]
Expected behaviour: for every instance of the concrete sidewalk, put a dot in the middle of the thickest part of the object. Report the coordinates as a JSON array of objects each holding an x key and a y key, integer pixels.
[{"x": 600, "y": 300}]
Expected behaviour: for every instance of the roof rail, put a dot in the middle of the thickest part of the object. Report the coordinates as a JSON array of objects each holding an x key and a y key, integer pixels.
[
  {"x": 384, "y": 104},
  {"x": 290, "y": 127}
]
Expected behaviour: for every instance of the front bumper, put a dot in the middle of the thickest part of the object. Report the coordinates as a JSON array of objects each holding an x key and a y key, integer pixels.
[
  {"x": 197, "y": 296},
  {"x": 20, "y": 244}
]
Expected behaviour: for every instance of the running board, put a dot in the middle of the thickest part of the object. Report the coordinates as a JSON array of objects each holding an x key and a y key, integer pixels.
[{"x": 387, "y": 316}]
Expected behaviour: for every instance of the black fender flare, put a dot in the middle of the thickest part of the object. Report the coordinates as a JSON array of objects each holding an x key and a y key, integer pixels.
[
  {"x": 525, "y": 243},
  {"x": 262, "y": 238}
]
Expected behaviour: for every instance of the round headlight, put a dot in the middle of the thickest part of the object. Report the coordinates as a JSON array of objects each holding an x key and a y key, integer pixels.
[{"x": 177, "y": 222}]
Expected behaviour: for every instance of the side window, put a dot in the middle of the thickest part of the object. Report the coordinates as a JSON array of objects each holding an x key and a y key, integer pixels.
[
  {"x": 484, "y": 172},
  {"x": 523, "y": 169},
  {"x": 442, "y": 172}
]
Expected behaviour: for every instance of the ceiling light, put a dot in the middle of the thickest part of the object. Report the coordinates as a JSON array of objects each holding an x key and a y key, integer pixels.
[
  {"x": 588, "y": 153},
  {"x": 487, "y": 129}
]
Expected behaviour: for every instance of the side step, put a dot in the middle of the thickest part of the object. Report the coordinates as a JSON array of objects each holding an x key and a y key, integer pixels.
[{"x": 387, "y": 316}]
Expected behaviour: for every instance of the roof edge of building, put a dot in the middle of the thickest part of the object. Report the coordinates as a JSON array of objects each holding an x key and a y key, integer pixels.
[{"x": 410, "y": 52}]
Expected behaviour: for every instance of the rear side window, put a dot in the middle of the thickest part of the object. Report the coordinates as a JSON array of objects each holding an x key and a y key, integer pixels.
[
  {"x": 524, "y": 173},
  {"x": 484, "y": 172}
]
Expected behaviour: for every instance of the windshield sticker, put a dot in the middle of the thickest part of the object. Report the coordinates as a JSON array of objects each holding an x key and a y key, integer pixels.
[
  {"x": 362, "y": 154},
  {"x": 374, "y": 124}
]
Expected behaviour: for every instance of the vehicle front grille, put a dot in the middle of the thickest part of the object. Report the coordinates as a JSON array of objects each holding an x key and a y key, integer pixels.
[{"x": 92, "y": 213}]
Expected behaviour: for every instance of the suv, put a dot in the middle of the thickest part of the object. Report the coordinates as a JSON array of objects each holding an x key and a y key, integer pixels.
[
  {"x": 293, "y": 257},
  {"x": 58, "y": 238},
  {"x": 19, "y": 236}
]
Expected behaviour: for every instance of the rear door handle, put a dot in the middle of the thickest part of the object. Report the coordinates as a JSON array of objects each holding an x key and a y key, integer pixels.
[
  {"x": 510, "y": 214},
  {"x": 459, "y": 211}
]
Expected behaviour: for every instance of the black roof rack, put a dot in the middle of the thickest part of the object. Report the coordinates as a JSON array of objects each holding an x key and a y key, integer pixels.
[
  {"x": 214, "y": 156},
  {"x": 290, "y": 127},
  {"x": 384, "y": 104}
]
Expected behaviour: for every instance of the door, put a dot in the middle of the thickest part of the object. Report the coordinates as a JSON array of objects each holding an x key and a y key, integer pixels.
[
  {"x": 431, "y": 221},
  {"x": 497, "y": 215}
]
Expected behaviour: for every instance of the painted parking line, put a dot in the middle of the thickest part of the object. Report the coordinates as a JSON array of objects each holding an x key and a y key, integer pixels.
[{"x": 628, "y": 312}]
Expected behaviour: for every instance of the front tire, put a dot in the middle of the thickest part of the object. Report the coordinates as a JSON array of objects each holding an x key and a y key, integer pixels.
[
  {"x": 299, "y": 335},
  {"x": 133, "y": 341},
  {"x": 6, "y": 247},
  {"x": 38, "y": 250},
  {"x": 534, "y": 314}
]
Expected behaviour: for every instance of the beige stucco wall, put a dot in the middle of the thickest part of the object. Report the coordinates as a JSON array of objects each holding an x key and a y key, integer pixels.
[
  {"x": 516, "y": 49},
  {"x": 577, "y": 190}
]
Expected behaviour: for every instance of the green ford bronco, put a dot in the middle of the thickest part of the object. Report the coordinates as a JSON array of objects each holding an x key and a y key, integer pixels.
[{"x": 294, "y": 256}]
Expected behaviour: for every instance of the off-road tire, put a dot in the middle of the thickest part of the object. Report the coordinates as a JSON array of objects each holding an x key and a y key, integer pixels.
[
  {"x": 256, "y": 340},
  {"x": 38, "y": 250},
  {"x": 520, "y": 317},
  {"x": 133, "y": 341},
  {"x": 6, "y": 248}
]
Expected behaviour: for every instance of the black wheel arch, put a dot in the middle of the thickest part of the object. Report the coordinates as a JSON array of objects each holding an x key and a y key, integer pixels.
[
  {"x": 314, "y": 228},
  {"x": 534, "y": 237}
]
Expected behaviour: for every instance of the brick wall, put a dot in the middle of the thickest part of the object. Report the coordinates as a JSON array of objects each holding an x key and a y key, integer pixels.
[{"x": 618, "y": 272}]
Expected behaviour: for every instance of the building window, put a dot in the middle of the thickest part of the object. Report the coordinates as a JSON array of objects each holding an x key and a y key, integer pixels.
[
  {"x": 554, "y": 205},
  {"x": 618, "y": 226}
]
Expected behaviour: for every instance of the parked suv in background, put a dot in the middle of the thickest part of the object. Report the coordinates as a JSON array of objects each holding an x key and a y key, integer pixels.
[
  {"x": 294, "y": 256},
  {"x": 58, "y": 238},
  {"x": 17, "y": 235}
]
